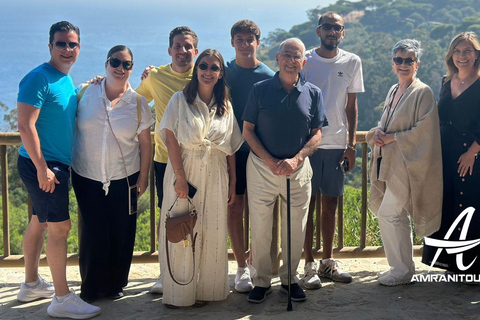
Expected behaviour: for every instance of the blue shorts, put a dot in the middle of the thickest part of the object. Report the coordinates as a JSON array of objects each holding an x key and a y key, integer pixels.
[
  {"x": 327, "y": 175},
  {"x": 48, "y": 207}
]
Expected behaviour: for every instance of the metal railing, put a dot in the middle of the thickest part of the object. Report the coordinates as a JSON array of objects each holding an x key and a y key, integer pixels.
[{"x": 362, "y": 251}]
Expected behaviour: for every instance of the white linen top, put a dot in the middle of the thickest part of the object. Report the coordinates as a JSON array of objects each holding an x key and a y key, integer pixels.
[{"x": 96, "y": 154}]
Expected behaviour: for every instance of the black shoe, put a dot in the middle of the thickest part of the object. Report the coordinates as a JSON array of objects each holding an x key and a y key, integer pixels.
[
  {"x": 116, "y": 295},
  {"x": 298, "y": 294},
  {"x": 87, "y": 298},
  {"x": 259, "y": 294}
]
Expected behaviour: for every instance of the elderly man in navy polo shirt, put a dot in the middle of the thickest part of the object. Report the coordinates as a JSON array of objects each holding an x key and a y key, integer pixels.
[{"x": 282, "y": 125}]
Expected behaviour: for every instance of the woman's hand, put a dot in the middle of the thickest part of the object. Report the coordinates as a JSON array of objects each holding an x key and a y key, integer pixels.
[
  {"x": 466, "y": 162},
  {"x": 181, "y": 187},
  {"x": 382, "y": 139},
  {"x": 377, "y": 137},
  {"x": 142, "y": 184}
]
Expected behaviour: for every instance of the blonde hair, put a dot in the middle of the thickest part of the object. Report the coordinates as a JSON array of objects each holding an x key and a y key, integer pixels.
[{"x": 469, "y": 36}]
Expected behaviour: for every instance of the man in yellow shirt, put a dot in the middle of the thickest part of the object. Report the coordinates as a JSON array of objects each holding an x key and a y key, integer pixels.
[{"x": 162, "y": 82}]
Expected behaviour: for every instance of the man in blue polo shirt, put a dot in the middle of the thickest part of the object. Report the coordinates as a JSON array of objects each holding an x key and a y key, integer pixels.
[
  {"x": 46, "y": 107},
  {"x": 282, "y": 125}
]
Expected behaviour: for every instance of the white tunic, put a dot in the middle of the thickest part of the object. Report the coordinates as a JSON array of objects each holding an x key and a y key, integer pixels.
[{"x": 205, "y": 140}]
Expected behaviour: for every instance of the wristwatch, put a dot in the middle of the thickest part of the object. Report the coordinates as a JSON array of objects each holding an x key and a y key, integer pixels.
[{"x": 351, "y": 147}]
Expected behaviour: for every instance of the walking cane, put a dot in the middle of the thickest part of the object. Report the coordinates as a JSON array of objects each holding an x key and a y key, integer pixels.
[{"x": 289, "y": 246}]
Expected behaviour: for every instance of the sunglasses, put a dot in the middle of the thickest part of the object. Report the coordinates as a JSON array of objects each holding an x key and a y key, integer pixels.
[
  {"x": 328, "y": 27},
  {"x": 115, "y": 63},
  {"x": 213, "y": 67},
  {"x": 62, "y": 45},
  {"x": 399, "y": 60}
]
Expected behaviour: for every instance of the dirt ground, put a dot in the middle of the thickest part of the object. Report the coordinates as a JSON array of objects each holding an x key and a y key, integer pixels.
[{"x": 364, "y": 298}]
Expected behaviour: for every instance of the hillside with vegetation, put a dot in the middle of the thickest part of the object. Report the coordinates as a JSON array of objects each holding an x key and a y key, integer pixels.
[{"x": 372, "y": 27}]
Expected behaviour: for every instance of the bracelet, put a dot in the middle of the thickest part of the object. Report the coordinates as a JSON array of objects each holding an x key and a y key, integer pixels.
[
  {"x": 175, "y": 171},
  {"x": 351, "y": 147}
]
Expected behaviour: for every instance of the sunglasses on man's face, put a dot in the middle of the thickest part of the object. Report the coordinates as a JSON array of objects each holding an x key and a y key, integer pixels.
[
  {"x": 213, "y": 67},
  {"x": 115, "y": 63},
  {"x": 399, "y": 60},
  {"x": 62, "y": 45},
  {"x": 328, "y": 27}
]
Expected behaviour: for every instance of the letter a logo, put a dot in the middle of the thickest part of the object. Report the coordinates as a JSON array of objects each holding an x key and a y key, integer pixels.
[{"x": 455, "y": 247}]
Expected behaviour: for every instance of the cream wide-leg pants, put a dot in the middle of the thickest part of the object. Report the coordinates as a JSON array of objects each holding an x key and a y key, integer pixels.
[
  {"x": 396, "y": 232},
  {"x": 263, "y": 189}
]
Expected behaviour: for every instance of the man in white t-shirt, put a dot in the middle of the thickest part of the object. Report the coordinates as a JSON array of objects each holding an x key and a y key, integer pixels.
[{"x": 339, "y": 75}]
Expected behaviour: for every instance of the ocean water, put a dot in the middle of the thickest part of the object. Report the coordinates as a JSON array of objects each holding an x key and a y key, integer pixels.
[{"x": 142, "y": 25}]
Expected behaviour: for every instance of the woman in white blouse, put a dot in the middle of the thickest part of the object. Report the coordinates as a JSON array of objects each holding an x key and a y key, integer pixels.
[
  {"x": 201, "y": 134},
  {"x": 111, "y": 155}
]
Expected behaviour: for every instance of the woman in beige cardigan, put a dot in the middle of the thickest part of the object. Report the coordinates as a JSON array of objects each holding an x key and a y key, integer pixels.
[{"x": 406, "y": 164}]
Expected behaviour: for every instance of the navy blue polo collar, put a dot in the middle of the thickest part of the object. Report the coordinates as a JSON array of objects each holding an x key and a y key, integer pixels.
[{"x": 278, "y": 84}]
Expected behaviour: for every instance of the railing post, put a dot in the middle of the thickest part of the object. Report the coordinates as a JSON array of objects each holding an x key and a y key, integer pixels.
[
  {"x": 363, "y": 239},
  {"x": 6, "y": 228}
]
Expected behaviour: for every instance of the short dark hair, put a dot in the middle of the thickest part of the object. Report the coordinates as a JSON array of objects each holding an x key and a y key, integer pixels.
[
  {"x": 327, "y": 14},
  {"x": 245, "y": 26},
  {"x": 186, "y": 31},
  {"x": 220, "y": 90},
  {"x": 119, "y": 48},
  {"x": 62, "y": 26}
]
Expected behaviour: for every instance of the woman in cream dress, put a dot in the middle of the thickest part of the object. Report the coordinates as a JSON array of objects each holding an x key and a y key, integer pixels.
[{"x": 201, "y": 134}]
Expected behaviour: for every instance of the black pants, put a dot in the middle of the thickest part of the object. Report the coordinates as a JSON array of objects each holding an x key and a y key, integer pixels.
[
  {"x": 159, "y": 174},
  {"x": 108, "y": 235}
]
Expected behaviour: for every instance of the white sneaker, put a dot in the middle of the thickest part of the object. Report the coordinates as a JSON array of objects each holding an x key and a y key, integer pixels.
[
  {"x": 72, "y": 307},
  {"x": 250, "y": 266},
  {"x": 42, "y": 289},
  {"x": 329, "y": 269},
  {"x": 310, "y": 277},
  {"x": 158, "y": 286},
  {"x": 243, "y": 282}
]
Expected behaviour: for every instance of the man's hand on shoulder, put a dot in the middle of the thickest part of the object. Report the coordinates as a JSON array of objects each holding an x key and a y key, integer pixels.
[
  {"x": 96, "y": 80},
  {"x": 146, "y": 72}
]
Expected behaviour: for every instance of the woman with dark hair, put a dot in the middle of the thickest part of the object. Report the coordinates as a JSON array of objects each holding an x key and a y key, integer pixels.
[
  {"x": 201, "y": 134},
  {"x": 459, "y": 113},
  {"x": 110, "y": 162}
]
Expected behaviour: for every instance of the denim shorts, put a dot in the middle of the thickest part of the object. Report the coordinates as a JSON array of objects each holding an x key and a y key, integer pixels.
[
  {"x": 327, "y": 175},
  {"x": 48, "y": 207}
]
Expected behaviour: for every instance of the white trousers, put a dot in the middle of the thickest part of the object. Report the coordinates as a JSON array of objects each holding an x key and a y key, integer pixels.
[
  {"x": 263, "y": 189},
  {"x": 396, "y": 232}
]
